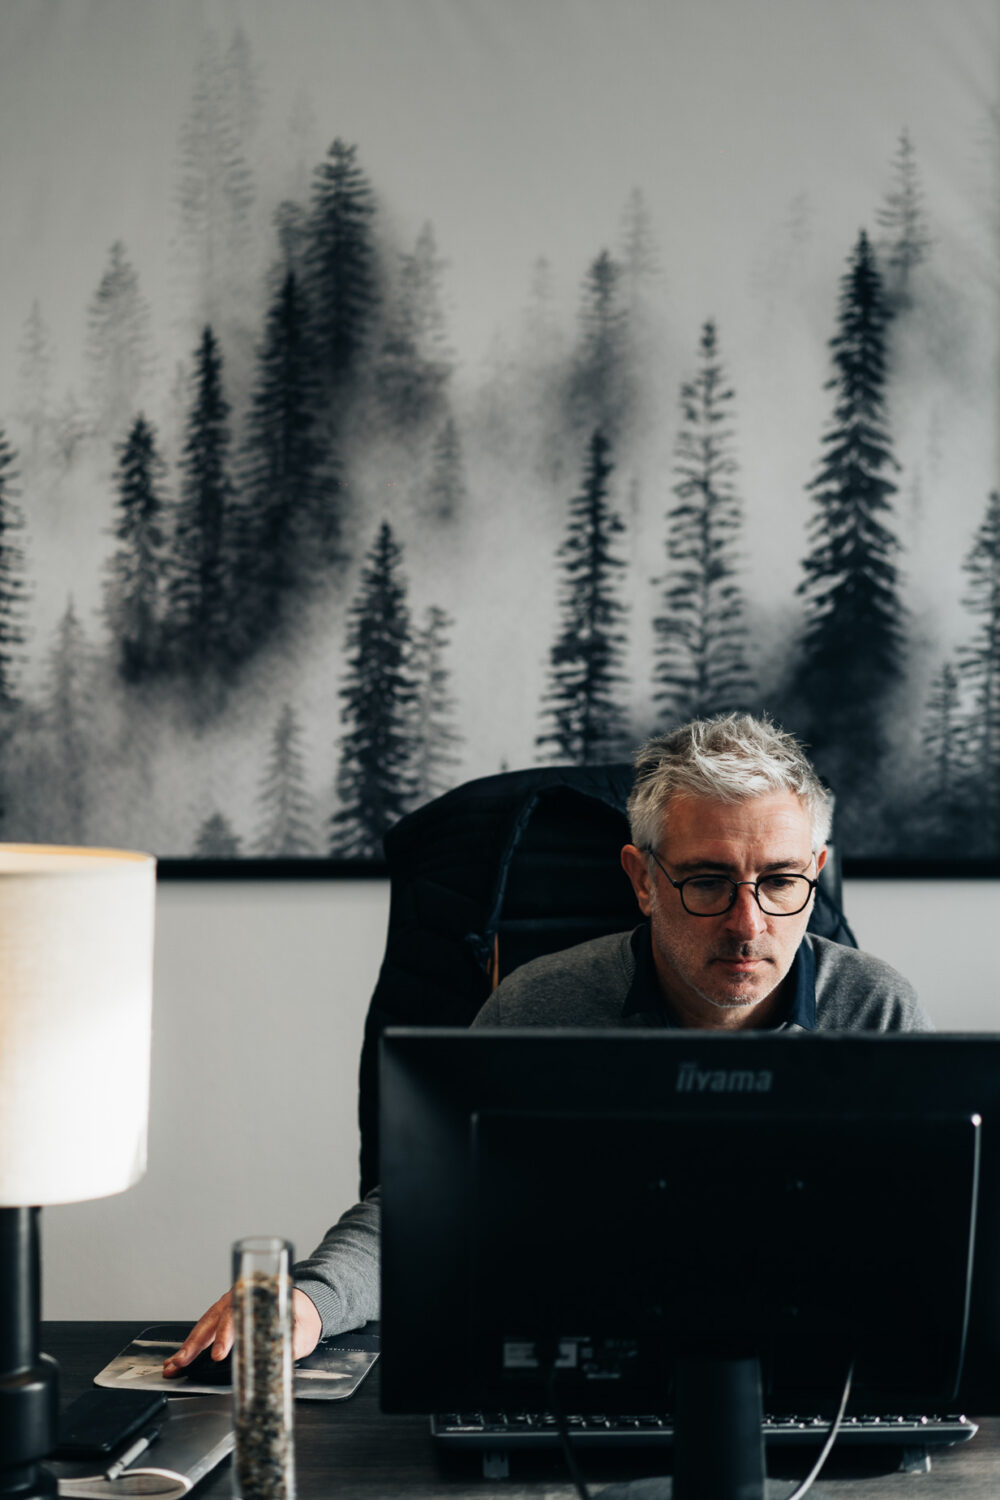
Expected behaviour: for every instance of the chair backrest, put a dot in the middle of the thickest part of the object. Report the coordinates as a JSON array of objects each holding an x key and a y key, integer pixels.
[{"x": 493, "y": 874}]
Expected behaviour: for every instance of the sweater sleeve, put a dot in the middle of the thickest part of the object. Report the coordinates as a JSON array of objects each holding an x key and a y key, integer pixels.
[{"x": 341, "y": 1276}]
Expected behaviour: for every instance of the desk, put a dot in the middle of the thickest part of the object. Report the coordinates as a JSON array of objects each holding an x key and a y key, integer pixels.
[{"x": 351, "y": 1450}]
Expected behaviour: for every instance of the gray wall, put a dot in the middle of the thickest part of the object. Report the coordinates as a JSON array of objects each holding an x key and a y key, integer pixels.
[
  {"x": 261, "y": 991},
  {"x": 259, "y": 1001}
]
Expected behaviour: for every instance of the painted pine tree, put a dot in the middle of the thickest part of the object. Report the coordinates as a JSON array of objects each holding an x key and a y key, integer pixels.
[
  {"x": 119, "y": 347},
  {"x": 34, "y": 385},
  {"x": 288, "y": 519},
  {"x": 602, "y": 314},
  {"x": 341, "y": 262},
  {"x": 446, "y": 494},
  {"x": 641, "y": 278},
  {"x": 944, "y": 813},
  {"x": 375, "y": 773},
  {"x": 291, "y": 230},
  {"x": 905, "y": 241},
  {"x": 68, "y": 431},
  {"x": 640, "y": 255},
  {"x": 582, "y": 712},
  {"x": 435, "y": 737},
  {"x": 243, "y": 86},
  {"x": 68, "y": 716},
  {"x": 286, "y": 814},
  {"x": 980, "y": 666},
  {"x": 133, "y": 595},
  {"x": 13, "y": 585},
  {"x": 216, "y": 189},
  {"x": 700, "y": 657},
  {"x": 414, "y": 361},
  {"x": 853, "y": 645},
  {"x": 217, "y": 839},
  {"x": 197, "y": 624},
  {"x": 600, "y": 388}
]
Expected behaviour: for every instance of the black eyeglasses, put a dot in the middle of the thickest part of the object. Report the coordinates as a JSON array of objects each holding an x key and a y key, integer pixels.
[{"x": 777, "y": 895}]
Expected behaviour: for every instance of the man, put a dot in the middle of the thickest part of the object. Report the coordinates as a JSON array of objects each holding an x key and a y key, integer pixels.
[{"x": 729, "y": 824}]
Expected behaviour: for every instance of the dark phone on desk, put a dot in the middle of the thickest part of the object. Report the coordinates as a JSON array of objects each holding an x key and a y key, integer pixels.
[{"x": 101, "y": 1421}]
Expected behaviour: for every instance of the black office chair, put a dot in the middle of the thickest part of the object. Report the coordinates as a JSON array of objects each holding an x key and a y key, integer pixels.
[{"x": 493, "y": 874}]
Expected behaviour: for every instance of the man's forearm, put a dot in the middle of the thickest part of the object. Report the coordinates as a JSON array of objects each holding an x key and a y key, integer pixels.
[{"x": 341, "y": 1276}]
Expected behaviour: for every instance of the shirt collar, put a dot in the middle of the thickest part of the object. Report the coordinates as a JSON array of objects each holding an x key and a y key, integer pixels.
[
  {"x": 645, "y": 998},
  {"x": 802, "y": 1011}
]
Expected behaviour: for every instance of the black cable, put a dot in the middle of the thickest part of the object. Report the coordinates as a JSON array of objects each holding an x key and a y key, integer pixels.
[
  {"x": 580, "y": 1486},
  {"x": 563, "y": 1431}
]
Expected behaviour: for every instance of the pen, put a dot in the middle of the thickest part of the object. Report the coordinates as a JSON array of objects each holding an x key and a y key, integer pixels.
[{"x": 139, "y": 1446}]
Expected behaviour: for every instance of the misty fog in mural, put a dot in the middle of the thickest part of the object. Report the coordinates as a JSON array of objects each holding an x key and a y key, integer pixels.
[{"x": 282, "y": 555}]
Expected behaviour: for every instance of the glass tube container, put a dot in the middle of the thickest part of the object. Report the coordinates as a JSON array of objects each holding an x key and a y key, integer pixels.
[{"x": 264, "y": 1455}]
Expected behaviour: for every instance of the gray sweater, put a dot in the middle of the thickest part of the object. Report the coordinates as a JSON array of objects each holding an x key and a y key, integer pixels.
[{"x": 588, "y": 986}]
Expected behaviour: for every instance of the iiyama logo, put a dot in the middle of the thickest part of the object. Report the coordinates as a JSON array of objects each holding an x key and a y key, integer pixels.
[{"x": 691, "y": 1080}]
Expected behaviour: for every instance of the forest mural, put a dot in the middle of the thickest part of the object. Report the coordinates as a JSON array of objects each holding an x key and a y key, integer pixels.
[{"x": 382, "y": 405}]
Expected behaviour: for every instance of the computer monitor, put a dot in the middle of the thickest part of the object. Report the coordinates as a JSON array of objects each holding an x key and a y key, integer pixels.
[{"x": 619, "y": 1203}]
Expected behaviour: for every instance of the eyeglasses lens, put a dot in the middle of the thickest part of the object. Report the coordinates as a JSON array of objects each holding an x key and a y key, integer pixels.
[{"x": 777, "y": 895}]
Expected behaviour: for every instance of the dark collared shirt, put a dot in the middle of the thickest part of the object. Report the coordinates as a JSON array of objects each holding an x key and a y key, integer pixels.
[{"x": 645, "y": 998}]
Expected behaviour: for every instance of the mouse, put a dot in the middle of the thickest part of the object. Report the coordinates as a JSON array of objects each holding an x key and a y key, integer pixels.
[{"x": 204, "y": 1370}]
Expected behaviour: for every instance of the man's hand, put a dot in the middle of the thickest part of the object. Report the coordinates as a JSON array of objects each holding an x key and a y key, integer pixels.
[{"x": 216, "y": 1328}]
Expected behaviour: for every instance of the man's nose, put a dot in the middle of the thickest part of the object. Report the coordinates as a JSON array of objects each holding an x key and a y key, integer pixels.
[{"x": 745, "y": 916}]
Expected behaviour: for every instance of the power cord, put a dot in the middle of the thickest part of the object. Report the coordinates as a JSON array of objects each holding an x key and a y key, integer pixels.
[
  {"x": 831, "y": 1438},
  {"x": 580, "y": 1486},
  {"x": 562, "y": 1428}
]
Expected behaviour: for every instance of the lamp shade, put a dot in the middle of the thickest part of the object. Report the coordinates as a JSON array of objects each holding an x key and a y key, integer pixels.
[{"x": 76, "y": 982}]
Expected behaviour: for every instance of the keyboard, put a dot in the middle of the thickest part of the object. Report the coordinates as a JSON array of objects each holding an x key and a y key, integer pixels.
[{"x": 537, "y": 1430}]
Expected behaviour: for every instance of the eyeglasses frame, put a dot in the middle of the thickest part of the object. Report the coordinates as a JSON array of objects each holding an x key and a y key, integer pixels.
[{"x": 754, "y": 885}]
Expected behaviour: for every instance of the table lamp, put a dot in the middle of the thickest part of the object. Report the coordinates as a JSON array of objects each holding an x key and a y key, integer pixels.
[{"x": 76, "y": 962}]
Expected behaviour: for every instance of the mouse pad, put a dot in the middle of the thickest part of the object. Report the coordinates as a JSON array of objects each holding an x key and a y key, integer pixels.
[{"x": 332, "y": 1372}]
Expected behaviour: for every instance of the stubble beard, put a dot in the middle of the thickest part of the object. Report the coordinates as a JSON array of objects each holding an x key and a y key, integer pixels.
[
  {"x": 738, "y": 1001},
  {"x": 739, "y": 996}
]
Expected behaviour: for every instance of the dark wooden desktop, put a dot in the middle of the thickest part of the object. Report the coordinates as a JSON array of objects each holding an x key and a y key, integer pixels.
[{"x": 351, "y": 1448}]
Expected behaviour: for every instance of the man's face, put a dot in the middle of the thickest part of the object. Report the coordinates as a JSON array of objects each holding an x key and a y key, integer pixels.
[{"x": 718, "y": 970}]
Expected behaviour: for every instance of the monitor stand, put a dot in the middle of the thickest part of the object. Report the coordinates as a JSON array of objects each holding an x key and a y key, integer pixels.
[{"x": 718, "y": 1442}]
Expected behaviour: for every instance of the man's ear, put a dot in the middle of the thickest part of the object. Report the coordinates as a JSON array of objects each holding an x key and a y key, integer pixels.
[
  {"x": 821, "y": 859},
  {"x": 636, "y": 867}
]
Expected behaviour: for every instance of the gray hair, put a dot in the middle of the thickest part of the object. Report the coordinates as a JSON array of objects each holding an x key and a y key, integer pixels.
[{"x": 732, "y": 757}]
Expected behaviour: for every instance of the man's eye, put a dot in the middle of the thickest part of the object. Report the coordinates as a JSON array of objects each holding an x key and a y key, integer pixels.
[
  {"x": 776, "y": 883},
  {"x": 708, "y": 885}
]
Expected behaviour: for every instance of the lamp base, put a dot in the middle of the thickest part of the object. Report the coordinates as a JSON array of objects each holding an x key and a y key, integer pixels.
[
  {"x": 28, "y": 1380},
  {"x": 33, "y": 1483},
  {"x": 28, "y": 1403}
]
